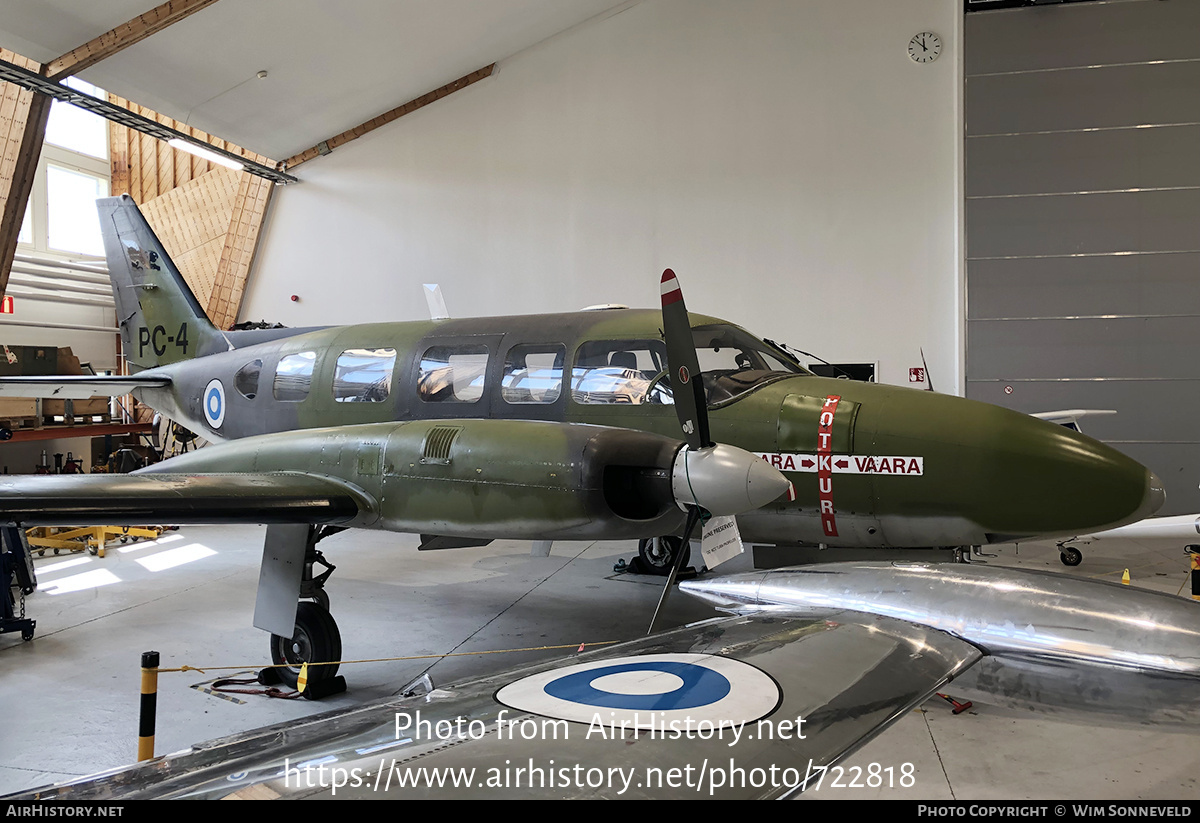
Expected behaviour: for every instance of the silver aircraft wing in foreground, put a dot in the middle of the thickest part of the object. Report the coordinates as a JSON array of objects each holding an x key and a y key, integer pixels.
[
  {"x": 818, "y": 660},
  {"x": 734, "y": 707}
]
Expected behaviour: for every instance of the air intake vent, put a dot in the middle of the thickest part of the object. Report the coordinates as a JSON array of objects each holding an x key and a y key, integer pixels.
[{"x": 437, "y": 444}]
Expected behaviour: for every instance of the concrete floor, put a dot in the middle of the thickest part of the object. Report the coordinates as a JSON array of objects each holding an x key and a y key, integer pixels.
[{"x": 71, "y": 695}]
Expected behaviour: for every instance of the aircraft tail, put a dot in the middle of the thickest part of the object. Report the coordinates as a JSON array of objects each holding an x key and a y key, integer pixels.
[{"x": 161, "y": 321}]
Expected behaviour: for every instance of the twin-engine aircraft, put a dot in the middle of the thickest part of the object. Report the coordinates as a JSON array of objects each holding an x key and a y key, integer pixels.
[{"x": 546, "y": 427}]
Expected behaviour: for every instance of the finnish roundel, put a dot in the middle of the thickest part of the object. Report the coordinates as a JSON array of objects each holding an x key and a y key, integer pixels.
[
  {"x": 214, "y": 403},
  {"x": 648, "y": 691}
]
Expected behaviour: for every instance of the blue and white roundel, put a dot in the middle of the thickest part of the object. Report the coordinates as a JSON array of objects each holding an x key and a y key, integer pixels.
[
  {"x": 214, "y": 403},
  {"x": 648, "y": 691}
]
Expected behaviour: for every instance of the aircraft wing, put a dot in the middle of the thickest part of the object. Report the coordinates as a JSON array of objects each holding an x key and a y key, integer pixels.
[
  {"x": 78, "y": 387},
  {"x": 1070, "y": 417},
  {"x": 1176, "y": 527},
  {"x": 734, "y": 707},
  {"x": 137, "y": 499}
]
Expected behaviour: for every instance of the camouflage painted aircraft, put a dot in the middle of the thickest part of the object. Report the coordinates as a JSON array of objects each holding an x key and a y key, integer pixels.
[{"x": 547, "y": 427}]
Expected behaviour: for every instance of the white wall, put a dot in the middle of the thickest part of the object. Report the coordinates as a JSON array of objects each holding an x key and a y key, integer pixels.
[{"x": 786, "y": 157}]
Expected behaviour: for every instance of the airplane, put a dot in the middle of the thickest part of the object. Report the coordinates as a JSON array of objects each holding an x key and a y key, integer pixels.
[{"x": 545, "y": 427}]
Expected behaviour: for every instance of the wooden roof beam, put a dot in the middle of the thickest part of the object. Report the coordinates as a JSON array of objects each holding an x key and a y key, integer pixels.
[
  {"x": 23, "y": 115},
  {"x": 122, "y": 37},
  {"x": 326, "y": 146}
]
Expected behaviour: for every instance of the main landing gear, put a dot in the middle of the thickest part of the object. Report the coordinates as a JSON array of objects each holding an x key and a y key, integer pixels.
[{"x": 316, "y": 639}]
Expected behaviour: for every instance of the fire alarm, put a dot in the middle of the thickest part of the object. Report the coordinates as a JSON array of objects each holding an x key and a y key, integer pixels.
[{"x": 295, "y": 298}]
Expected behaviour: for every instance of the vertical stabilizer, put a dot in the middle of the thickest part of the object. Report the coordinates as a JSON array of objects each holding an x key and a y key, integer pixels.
[{"x": 161, "y": 321}]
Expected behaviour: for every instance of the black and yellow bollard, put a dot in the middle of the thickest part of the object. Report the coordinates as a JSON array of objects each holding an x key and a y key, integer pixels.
[{"x": 149, "y": 706}]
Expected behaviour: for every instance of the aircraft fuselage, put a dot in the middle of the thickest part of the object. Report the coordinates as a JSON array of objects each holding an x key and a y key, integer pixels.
[{"x": 872, "y": 465}]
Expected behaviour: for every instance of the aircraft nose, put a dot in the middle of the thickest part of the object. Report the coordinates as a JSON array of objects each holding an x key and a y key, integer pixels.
[
  {"x": 1156, "y": 494},
  {"x": 1015, "y": 476},
  {"x": 1087, "y": 480}
]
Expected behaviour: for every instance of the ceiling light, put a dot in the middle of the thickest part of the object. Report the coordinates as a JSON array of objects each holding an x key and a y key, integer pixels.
[
  {"x": 26, "y": 79},
  {"x": 210, "y": 156}
]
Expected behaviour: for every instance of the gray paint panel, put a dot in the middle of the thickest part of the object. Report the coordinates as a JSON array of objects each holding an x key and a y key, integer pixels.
[
  {"x": 1138, "y": 347},
  {"x": 1084, "y": 224},
  {"x": 1061, "y": 243},
  {"x": 1163, "y": 157},
  {"x": 1145, "y": 284},
  {"x": 1081, "y": 34},
  {"x": 1084, "y": 98}
]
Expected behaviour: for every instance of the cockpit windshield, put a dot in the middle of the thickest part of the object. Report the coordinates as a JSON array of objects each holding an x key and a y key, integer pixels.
[
  {"x": 633, "y": 372},
  {"x": 734, "y": 362}
]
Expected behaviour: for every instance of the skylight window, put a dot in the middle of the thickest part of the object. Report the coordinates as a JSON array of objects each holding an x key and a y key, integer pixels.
[{"x": 74, "y": 128}]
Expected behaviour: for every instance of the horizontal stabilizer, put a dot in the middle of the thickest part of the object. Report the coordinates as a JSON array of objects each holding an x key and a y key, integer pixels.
[
  {"x": 81, "y": 387},
  {"x": 139, "y": 499}
]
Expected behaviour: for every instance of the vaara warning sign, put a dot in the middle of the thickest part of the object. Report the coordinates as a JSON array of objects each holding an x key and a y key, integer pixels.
[{"x": 845, "y": 464}]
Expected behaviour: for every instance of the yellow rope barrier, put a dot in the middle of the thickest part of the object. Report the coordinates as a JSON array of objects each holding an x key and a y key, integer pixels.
[{"x": 244, "y": 667}]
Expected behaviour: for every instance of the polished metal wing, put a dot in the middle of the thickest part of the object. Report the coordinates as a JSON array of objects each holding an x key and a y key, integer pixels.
[{"x": 734, "y": 707}]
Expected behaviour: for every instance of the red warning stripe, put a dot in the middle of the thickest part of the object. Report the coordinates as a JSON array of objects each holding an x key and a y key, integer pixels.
[
  {"x": 825, "y": 465},
  {"x": 669, "y": 286}
]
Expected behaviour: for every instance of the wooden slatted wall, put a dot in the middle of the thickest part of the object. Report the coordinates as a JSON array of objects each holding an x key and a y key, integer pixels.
[{"x": 208, "y": 217}]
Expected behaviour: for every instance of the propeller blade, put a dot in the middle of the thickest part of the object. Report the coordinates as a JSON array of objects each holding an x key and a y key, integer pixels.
[
  {"x": 692, "y": 518},
  {"x": 721, "y": 480},
  {"x": 683, "y": 365}
]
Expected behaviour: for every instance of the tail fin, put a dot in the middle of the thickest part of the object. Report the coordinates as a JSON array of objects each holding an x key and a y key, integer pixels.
[{"x": 161, "y": 321}]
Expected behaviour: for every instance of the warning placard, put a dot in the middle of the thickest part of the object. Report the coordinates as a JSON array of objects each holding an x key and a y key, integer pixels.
[{"x": 845, "y": 464}]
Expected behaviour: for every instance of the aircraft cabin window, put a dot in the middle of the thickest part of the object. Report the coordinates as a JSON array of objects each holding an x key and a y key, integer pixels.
[
  {"x": 452, "y": 374},
  {"x": 246, "y": 379},
  {"x": 293, "y": 376},
  {"x": 363, "y": 375},
  {"x": 533, "y": 374},
  {"x": 620, "y": 372}
]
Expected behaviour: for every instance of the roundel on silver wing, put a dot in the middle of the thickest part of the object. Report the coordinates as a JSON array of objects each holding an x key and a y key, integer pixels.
[
  {"x": 648, "y": 691},
  {"x": 214, "y": 403}
]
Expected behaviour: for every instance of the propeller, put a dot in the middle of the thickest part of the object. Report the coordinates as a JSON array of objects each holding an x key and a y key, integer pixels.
[{"x": 710, "y": 479}]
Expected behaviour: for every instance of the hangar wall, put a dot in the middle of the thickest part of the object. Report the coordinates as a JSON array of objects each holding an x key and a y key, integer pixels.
[
  {"x": 786, "y": 157},
  {"x": 1083, "y": 222}
]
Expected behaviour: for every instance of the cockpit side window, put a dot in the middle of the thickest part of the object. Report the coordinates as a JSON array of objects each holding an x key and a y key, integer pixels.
[
  {"x": 363, "y": 375},
  {"x": 246, "y": 379},
  {"x": 453, "y": 374},
  {"x": 620, "y": 372},
  {"x": 533, "y": 373},
  {"x": 293, "y": 376}
]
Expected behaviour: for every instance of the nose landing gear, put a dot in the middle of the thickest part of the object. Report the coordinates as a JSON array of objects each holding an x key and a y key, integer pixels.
[{"x": 1069, "y": 555}]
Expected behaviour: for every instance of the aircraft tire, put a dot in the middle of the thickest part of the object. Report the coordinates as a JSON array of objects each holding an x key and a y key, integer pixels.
[
  {"x": 658, "y": 553},
  {"x": 1071, "y": 557},
  {"x": 316, "y": 640}
]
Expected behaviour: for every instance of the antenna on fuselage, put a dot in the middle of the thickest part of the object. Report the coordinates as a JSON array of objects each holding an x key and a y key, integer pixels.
[{"x": 436, "y": 303}]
